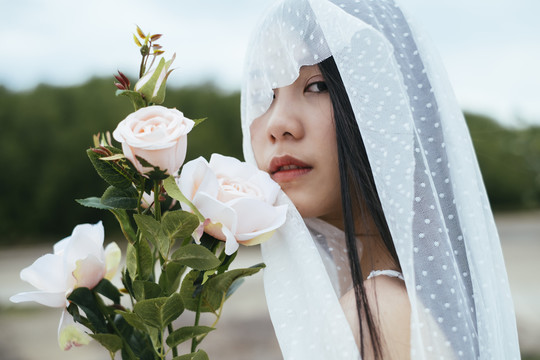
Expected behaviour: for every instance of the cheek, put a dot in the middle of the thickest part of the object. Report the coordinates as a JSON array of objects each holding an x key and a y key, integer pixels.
[{"x": 257, "y": 141}]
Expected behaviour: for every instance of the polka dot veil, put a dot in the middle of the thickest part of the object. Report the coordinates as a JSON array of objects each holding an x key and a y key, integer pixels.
[{"x": 426, "y": 175}]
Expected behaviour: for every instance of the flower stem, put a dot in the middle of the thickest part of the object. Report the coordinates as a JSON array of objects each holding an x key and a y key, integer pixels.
[
  {"x": 194, "y": 342},
  {"x": 157, "y": 205},
  {"x": 103, "y": 310},
  {"x": 174, "y": 349},
  {"x": 139, "y": 200}
]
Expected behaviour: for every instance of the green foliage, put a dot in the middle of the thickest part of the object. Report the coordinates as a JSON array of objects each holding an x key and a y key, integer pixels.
[
  {"x": 120, "y": 198},
  {"x": 159, "y": 312},
  {"x": 186, "y": 333},
  {"x": 44, "y": 135},
  {"x": 210, "y": 295},
  {"x": 111, "y": 342},
  {"x": 510, "y": 162},
  {"x": 199, "y": 355},
  {"x": 196, "y": 257},
  {"x": 108, "y": 170}
]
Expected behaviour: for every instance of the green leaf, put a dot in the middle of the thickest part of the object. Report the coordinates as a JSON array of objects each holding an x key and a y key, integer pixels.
[
  {"x": 131, "y": 260},
  {"x": 185, "y": 333},
  {"x": 173, "y": 191},
  {"x": 196, "y": 257},
  {"x": 159, "y": 312},
  {"x": 111, "y": 342},
  {"x": 139, "y": 260},
  {"x": 107, "y": 289},
  {"x": 93, "y": 202},
  {"x": 120, "y": 198},
  {"x": 85, "y": 299},
  {"x": 217, "y": 287},
  {"x": 150, "y": 228},
  {"x": 113, "y": 157},
  {"x": 148, "y": 83},
  {"x": 125, "y": 224},
  {"x": 109, "y": 171},
  {"x": 199, "y": 355},
  {"x": 190, "y": 289},
  {"x": 179, "y": 224},
  {"x": 126, "y": 279},
  {"x": 214, "y": 291},
  {"x": 155, "y": 173},
  {"x": 145, "y": 261},
  {"x": 169, "y": 280},
  {"x": 135, "y": 97},
  {"x": 132, "y": 319},
  {"x": 226, "y": 261},
  {"x": 234, "y": 286},
  {"x": 198, "y": 121},
  {"x": 144, "y": 290},
  {"x": 73, "y": 310}
]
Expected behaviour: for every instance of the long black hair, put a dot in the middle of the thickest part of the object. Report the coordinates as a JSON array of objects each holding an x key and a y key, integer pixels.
[{"x": 359, "y": 195}]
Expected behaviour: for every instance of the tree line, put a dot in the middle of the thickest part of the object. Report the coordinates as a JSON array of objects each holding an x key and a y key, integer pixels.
[{"x": 44, "y": 134}]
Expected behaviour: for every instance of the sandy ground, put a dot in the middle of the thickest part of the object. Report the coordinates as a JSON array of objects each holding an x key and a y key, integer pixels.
[{"x": 29, "y": 332}]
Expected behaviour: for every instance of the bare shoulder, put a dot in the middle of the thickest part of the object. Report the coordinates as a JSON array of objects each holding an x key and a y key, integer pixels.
[{"x": 390, "y": 308}]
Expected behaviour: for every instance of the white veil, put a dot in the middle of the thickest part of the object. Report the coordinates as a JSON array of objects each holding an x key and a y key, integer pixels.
[{"x": 426, "y": 175}]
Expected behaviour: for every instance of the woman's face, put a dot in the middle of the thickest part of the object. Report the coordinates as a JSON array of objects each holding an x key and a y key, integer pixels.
[{"x": 295, "y": 142}]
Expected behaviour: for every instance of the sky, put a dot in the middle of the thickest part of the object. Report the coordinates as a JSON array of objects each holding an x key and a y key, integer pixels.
[{"x": 490, "y": 48}]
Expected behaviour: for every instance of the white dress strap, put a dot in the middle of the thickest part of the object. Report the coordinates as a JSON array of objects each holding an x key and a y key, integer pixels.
[{"x": 391, "y": 273}]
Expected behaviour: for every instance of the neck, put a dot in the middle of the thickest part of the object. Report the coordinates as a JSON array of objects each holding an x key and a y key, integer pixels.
[{"x": 373, "y": 254}]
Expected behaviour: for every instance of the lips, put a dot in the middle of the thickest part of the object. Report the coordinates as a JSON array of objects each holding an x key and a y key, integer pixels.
[{"x": 286, "y": 168}]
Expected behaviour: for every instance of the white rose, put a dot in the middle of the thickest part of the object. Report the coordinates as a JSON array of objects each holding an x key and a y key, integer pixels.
[
  {"x": 236, "y": 197},
  {"x": 78, "y": 261},
  {"x": 156, "y": 134}
]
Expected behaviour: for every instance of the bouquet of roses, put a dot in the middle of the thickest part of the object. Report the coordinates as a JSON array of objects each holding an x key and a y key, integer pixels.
[{"x": 182, "y": 232}]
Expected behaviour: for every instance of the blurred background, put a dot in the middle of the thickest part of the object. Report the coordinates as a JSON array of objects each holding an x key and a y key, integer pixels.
[{"x": 56, "y": 89}]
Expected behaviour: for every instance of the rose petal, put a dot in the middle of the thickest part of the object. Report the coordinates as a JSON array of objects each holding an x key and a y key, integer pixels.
[
  {"x": 216, "y": 211},
  {"x": 233, "y": 168},
  {"x": 262, "y": 216},
  {"x": 199, "y": 231},
  {"x": 196, "y": 176},
  {"x": 176, "y": 161},
  {"x": 257, "y": 239},
  {"x": 47, "y": 274},
  {"x": 215, "y": 230},
  {"x": 87, "y": 239},
  {"x": 113, "y": 255},
  {"x": 89, "y": 272},
  {"x": 60, "y": 246},
  {"x": 191, "y": 176},
  {"x": 230, "y": 243},
  {"x": 269, "y": 187},
  {"x": 51, "y": 299},
  {"x": 230, "y": 166},
  {"x": 71, "y": 333}
]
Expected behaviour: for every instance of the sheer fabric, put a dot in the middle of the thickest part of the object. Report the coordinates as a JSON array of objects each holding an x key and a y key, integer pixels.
[{"x": 425, "y": 171}]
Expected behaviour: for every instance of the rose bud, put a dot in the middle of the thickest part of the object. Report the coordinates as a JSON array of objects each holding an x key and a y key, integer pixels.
[{"x": 152, "y": 84}]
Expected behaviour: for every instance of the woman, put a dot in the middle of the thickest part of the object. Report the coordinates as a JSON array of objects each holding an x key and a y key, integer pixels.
[{"x": 346, "y": 107}]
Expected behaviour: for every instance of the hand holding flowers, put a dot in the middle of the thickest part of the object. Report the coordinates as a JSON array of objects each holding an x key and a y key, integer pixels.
[{"x": 180, "y": 242}]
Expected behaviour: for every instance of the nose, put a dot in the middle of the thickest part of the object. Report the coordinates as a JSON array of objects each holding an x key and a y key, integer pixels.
[{"x": 284, "y": 118}]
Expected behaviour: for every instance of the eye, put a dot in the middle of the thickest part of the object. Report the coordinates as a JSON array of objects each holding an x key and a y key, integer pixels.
[{"x": 317, "y": 87}]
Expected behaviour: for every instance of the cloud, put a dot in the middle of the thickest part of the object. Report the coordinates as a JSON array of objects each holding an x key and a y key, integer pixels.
[{"x": 491, "y": 49}]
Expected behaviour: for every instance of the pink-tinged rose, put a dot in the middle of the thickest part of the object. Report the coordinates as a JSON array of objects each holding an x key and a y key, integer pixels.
[
  {"x": 236, "y": 197},
  {"x": 156, "y": 134},
  {"x": 77, "y": 261}
]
